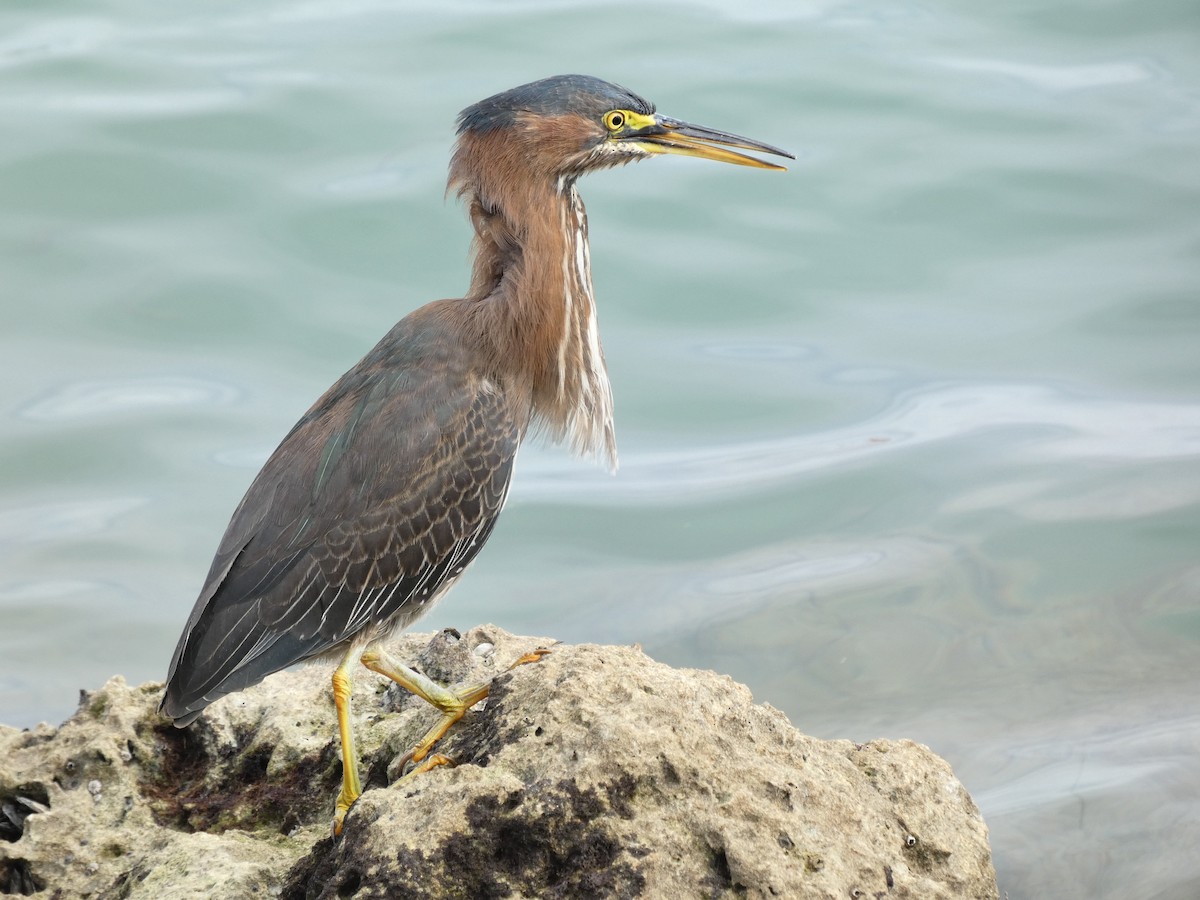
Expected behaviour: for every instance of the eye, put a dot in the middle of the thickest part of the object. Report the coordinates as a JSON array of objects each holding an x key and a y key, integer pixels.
[{"x": 615, "y": 120}]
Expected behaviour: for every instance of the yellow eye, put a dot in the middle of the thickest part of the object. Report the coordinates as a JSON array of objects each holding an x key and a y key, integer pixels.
[{"x": 615, "y": 120}]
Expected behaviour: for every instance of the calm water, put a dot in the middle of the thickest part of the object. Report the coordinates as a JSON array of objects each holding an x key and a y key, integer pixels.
[{"x": 910, "y": 436}]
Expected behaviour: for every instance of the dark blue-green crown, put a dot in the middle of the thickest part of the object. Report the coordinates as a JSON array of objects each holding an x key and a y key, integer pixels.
[{"x": 560, "y": 95}]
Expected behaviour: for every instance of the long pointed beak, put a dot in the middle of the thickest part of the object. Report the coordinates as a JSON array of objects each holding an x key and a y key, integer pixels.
[{"x": 666, "y": 135}]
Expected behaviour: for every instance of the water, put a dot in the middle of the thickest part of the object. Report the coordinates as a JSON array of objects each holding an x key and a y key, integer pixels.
[{"x": 909, "y": 435}]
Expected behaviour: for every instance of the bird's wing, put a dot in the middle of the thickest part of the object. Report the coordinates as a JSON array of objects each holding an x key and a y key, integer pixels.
[{"x": 375, "y": 501}]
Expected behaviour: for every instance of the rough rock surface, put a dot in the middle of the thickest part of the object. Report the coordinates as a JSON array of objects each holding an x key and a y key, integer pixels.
[{"x": 596, "y": 772}]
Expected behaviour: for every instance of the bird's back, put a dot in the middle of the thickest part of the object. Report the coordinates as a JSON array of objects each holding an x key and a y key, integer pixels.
[{"x": 367, "y": 511}]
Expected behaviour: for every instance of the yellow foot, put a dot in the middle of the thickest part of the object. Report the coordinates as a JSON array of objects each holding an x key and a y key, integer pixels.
[
  {"x": 531, "y": 657},
  {"x": 454, "y": 706},
  {"x": 433, "y": 762},
  {"x": 344, "y": 802},
  {"x": 452, "y": 703}
]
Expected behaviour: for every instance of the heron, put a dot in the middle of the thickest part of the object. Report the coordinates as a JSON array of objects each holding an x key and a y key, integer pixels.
[{"x": 380, "y": 497}]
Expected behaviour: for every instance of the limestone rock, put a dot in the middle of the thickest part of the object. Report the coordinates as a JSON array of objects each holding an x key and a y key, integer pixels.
[{"x": 596, "y": 772}]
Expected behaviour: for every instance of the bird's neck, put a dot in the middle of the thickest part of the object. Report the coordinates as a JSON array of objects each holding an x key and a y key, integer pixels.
[{"x": 532, "y": 284}]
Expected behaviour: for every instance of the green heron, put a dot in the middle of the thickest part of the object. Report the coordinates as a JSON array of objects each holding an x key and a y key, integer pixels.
[{"x": 379, "y": 498}]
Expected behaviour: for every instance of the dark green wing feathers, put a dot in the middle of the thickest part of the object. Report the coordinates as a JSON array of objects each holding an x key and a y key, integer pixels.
[{"x": 371, "y": 506}]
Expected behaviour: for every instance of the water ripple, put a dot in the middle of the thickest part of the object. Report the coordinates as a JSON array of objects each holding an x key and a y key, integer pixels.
[
  {"x": 1059, "y": 426},
  {"x": 109, "y": 396},
  {"x": 27, "y": 592},
  {"x": 57, "y": 521},
  {"x": 1054, "y": 78},
  {"x": 756, "y": 350}
]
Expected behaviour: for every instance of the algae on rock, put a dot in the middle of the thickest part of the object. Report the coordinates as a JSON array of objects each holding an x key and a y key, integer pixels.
[{"x": 595, "y": 773}]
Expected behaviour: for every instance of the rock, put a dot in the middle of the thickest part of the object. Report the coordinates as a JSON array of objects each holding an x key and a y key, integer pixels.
[{"x": 596, "y": 772}]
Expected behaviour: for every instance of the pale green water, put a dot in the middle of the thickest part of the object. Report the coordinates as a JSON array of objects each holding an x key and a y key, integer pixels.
[{"x": 910, "y": 435}]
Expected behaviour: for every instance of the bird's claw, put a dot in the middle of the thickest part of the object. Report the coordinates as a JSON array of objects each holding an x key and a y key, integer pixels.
[
  {"x": 344, "y": 803},
  {"x": 433, "y": 762},
  {"x": 531, "y": 657}
]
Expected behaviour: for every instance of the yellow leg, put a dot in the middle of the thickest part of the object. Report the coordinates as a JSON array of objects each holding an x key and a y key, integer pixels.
[
  {"x": 351, "y": 786},
  {"x": 452, "y": 703}
]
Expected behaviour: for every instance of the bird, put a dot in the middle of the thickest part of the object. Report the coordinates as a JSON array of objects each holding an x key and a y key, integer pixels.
[{"x": 383, "y": 493}]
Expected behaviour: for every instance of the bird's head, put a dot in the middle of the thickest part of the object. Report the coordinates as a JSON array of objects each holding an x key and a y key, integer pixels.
[{"x": 564, "y": 126}]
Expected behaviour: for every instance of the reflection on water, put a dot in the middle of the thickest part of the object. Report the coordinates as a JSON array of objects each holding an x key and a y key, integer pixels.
[
  {"x": 110, "y": 397},
  {"x": 1037, "y": 425},
  {"x": 58, "y": 521},
  {"x": 755, "y": 350},
  {"x": 30, "y": 592},
  {"x": 1054, "y": 78},
  {"x": 1121, "y": 773}
]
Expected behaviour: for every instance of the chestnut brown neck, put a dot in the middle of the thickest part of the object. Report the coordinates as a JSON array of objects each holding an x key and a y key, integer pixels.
[{"x": 531, "y": 288}]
